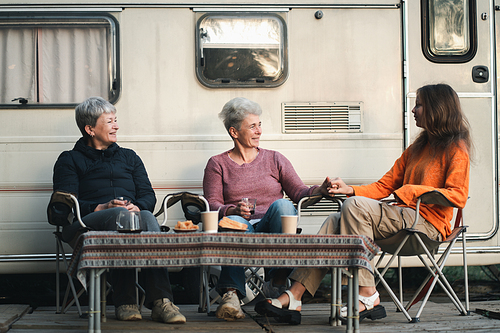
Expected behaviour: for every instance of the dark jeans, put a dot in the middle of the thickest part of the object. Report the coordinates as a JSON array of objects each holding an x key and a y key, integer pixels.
[{"x": 155, "y": 281}]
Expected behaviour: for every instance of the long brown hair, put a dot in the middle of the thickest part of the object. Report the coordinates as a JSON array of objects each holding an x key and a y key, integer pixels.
[{"x": 445, "y": 124}]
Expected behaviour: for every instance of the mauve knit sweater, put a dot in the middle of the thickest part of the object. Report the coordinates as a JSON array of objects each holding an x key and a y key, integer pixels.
[{"x": 225, "y": 182}]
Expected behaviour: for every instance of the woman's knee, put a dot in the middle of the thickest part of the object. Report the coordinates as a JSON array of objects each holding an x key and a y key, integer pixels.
[
  {"x": 357, "y": 215},
  {"x": 149, "y": 221},
  {"x": 103, "y": 220},
  {"x": 331, "y": 225},
  {"x": 356, "y": 206},
  {"x": 283, "y": 207}
]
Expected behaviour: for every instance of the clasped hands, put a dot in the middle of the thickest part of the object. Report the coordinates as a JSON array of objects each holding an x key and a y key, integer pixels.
[
  {"x": 331, "y": 187},
  {"x": 119, "y": 202}
]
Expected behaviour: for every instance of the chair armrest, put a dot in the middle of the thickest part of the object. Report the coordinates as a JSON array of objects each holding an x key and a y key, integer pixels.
[
  {"x": 431, "y": 197},
  {"x": 314, "y": 199},
  {"x": 63, "y": 199},
  {"x": 435, "y": 197},
  {"x": 187, "y": 200}
]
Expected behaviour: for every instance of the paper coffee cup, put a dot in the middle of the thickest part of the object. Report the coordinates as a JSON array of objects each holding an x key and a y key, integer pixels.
[
  {"x": 210, "y": 221},
  {"x": 289, "y": 224}
]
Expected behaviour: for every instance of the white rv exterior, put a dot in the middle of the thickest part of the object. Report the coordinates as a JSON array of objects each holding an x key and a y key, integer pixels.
[{"x": 362, "y": 59}]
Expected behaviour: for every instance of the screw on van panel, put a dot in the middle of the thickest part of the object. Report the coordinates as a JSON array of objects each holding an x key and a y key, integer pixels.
[{"x": 318, "y": 15}]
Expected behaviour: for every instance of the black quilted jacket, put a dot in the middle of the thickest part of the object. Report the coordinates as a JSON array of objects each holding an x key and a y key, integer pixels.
[{"x": 97, "y": 176}]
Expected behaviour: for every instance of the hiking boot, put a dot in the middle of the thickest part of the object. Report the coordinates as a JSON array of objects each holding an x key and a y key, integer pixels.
[
  {"x": 165, "y": 311},
  {"x": 229, "y": 309},
  {"x": 128, "y": 312}
]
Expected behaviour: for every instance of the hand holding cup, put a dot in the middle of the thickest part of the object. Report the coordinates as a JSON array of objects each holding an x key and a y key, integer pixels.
[{"x": 250, "y": 206}]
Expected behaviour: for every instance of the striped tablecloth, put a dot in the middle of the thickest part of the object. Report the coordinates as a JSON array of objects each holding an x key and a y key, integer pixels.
[{"x": 103, "y": 249}]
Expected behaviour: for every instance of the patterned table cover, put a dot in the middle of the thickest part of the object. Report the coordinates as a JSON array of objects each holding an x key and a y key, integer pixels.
[{"x": 108, "y": 249}]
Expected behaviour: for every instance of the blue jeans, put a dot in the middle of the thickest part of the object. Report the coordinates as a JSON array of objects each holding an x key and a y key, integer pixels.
[
  {"x": 234, "y": 276},
  {"x": 155, "y": 281}
]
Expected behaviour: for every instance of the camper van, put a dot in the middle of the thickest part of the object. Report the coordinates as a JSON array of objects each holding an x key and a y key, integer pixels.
[{"x": 336, "y": 81}]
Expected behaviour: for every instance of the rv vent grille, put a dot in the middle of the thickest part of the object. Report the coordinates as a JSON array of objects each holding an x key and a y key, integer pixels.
[
  {"x": 322, "y": 208},
  {"x": 322, "y": 117}
]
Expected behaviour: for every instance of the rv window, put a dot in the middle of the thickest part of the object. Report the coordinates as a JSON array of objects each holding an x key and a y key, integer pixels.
[
  {"x": 241, "y": 50},
  {"x": 449, "y": 30},
  {"x": 56, "y": 61}
]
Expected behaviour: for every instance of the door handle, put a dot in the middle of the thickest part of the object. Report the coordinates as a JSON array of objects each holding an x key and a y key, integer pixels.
[{"x": 480, "y": 74}]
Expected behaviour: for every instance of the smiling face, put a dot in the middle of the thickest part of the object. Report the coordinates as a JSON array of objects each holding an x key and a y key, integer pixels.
[
  {"x": 104, "y": 132},
  {"x": 248, "y": 136},
  {"x": 418, "y": 113}
]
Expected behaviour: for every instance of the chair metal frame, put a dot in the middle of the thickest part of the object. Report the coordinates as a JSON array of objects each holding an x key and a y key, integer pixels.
[
  {"x": 168, "y": 201},
  {"x": 253, "y": 278},
  {"x": 252, "y": 274},
  {"x": 411, "y": 242},
  {"x": 171, "y": 199},
  {"x": 60, "y": 254},
  {"x": 68, "y": 198},
  {"x": 314, "y": 199},
  {"x": 335, "y": 273}
]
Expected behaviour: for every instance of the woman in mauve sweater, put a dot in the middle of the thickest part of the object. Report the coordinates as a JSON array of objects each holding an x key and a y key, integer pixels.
[
  {"x": 439, "y": 160},
  {"x": 247, "y": 171}
]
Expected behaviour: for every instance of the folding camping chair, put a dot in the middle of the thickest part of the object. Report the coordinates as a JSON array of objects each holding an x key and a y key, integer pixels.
[
  {"x": 62, "y": 208},
  {"x": 192, "y": 206},
  {"x": 410, "y": 242},
  {"x": 60, "y": 211},
  {"x": 321, "y": 203},
  {"x": 254, "y": 277}
]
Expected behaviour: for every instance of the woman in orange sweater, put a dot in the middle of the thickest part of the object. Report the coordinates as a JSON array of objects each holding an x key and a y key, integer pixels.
[{"x": 439, "y": 159}]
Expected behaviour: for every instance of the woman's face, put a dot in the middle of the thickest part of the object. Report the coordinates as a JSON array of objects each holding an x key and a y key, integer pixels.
[
  {"x": 250, "y": 131},
  {"x": 418, "y": 113},
  {"x": 104, "y": 132}
]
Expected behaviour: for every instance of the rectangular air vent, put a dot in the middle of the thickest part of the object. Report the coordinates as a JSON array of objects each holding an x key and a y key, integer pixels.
[
  {"x": 322, "y": 208},
  {"x": 322, "y": 117}
]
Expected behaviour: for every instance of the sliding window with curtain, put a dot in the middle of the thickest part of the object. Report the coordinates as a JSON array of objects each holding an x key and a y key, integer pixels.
[{"x": 49, "y": 62}]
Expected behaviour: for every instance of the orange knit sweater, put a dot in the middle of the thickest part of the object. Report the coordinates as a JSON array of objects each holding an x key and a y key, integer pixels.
[{"x": 411, "y": 176}]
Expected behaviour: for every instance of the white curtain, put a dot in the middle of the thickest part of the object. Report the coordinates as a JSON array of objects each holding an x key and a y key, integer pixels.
[
  {"x": 74, "y": 64},
  {"x": 17, "y": 65},
  {"x": 54, "y": 65}
]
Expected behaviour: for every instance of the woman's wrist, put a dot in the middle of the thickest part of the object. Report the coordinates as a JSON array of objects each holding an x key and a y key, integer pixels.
[
  {"x": 231, "y": 211},
  {"x": 100, "y": 207},
  {"x": 351, "y": 191}
]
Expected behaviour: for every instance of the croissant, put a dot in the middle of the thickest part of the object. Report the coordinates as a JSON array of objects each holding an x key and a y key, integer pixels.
[
  {"x": 185, "y": 225},
  {"x": 230, "y": 224}
]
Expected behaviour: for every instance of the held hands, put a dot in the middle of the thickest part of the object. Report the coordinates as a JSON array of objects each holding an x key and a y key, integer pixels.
[
  {"x": 324, "y": 188},
  {"x": 337, "y": 186}
]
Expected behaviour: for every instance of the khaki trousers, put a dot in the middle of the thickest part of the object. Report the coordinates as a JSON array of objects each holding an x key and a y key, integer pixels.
[{"x": 363, "y": 216}]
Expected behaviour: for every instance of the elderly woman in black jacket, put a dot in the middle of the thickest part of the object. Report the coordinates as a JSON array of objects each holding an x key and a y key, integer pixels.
[{"x": 109, "y": 179}]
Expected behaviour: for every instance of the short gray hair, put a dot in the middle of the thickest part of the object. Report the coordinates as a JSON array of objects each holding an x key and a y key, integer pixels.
[
  {"x": 235, "y": 111},
  {"x": 87, "y": 112}
]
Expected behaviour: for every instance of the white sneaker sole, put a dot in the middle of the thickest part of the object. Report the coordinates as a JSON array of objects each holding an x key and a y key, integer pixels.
[
  {"x": 178, "y": 319},
  {"x": 229, "y": 313}
]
